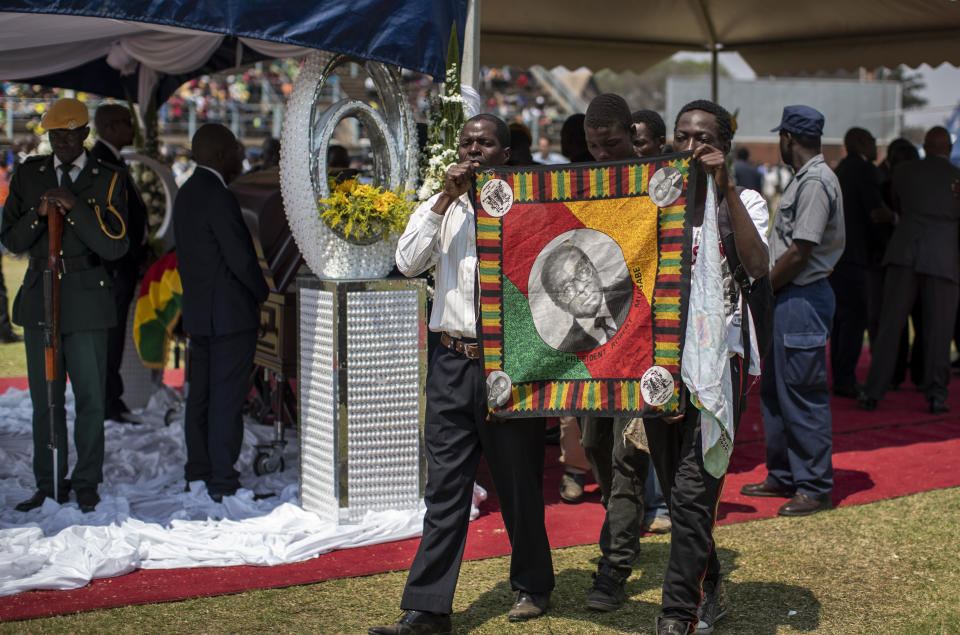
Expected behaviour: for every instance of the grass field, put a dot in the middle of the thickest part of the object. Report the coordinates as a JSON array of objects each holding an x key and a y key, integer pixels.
[{"x": 886, "y": 567}]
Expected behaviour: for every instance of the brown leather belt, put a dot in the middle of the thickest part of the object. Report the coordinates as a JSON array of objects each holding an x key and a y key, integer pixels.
[
  {"x": 467, "y": 349},
  {"x": 68, "y": 264}
]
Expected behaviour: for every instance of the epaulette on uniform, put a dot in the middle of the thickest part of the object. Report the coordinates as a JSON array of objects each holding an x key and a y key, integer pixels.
[
  {"x": 35, "y": 158},
  {"x": 108, "y": 166}
]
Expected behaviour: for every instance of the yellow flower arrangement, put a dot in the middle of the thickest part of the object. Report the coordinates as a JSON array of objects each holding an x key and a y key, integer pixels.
[{"x": 365, "y": 213}]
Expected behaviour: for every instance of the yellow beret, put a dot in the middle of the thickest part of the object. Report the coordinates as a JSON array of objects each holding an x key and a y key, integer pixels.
[{"x": 65, "y": 113}]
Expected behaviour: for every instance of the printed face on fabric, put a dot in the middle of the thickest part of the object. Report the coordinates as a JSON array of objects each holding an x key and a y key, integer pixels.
[
  {"x": 609, "y": 143},
  {"x": 582, "y": 273},
  {"x": 696, "y": 128},
  {"x": 479, "y": 144},
  {"x": 573, "y": 282}
]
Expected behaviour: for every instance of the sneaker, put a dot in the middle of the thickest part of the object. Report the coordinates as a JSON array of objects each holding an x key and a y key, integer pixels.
[
  {"x": 659, "y": 525},
  {"x": 673, "y": 626},
  {"x": 571, "y": 487},
  {"x": 713, "y": 606},
  {"x": 607, "y": 592}
]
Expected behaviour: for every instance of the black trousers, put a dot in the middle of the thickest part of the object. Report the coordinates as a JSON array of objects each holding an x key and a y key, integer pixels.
[
  {"x": 219, "y": 376},
  {"x": 621, "y": 471},
  {"x": 6, "y": 327},
  {"x": 455, "y": 433},
  {"x": 693, "y": 496},
  {"x": 850, "y": 320},
  {"x": 938, "y": 297},
  {"x": 124, "y": 286}
]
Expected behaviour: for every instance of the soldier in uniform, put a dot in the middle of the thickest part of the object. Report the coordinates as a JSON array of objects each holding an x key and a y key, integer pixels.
[{"x": 91, "y": 196}]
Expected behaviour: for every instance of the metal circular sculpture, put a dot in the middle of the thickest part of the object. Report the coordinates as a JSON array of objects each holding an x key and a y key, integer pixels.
[
  {"x": 307, "y": 132},
  {"x": 169, "y": 184}
]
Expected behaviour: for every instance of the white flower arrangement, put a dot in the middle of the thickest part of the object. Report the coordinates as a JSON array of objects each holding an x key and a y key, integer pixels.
[{"x": 446, "y": 120}]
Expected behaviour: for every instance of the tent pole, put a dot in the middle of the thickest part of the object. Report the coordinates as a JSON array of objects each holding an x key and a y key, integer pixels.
[
  {"x": 470, "y": 71},
  {"x": 714, "y": 59}
]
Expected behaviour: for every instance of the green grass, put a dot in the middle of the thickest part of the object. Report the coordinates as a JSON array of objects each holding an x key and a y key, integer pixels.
[
  {"x": 13, "y": 361},
  {"x": 886, "y": 567}
]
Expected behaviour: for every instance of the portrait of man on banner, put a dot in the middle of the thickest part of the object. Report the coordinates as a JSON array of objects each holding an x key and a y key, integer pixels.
[
  {"x": 593, "y": 294},
  {"x": 584, "y": 275}
]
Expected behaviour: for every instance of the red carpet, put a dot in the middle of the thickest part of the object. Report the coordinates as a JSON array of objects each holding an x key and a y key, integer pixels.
[{"x": 898, "y": 450}]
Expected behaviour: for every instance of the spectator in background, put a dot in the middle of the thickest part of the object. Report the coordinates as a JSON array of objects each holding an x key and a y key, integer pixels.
[
  {"x": 7, "y": 336},
  {"x": 115, "y": 130},
  {"x": 860, "y": 185},
  {"x": 649, "y": 133},
  {"x": 270, "y": 153},
  {"x": 923, "y": 261},
  {"x": 520, "y": 142},
  {"x": 899, "y": 151},
  {"x": 545, "y": 156},
  {"x": 746, "y": 174},
  {"x": 573, "y": 142}
]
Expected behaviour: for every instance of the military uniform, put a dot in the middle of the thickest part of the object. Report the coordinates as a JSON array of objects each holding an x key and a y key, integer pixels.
[{"x": 93, "y": 231}]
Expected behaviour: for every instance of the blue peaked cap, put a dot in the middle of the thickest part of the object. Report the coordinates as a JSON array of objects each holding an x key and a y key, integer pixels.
[{"x": 801, "y": 119}]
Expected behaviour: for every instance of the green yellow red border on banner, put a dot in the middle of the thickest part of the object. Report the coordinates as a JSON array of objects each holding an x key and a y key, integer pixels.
[{"x": 600, "y": 396}]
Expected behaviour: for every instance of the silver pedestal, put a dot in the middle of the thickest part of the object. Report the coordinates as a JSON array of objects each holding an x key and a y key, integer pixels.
[{"x": 362, "y": 369}]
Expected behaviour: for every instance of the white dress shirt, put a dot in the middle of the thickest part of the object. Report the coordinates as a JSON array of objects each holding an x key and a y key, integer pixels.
[
  {"x": 78, "y": 164},
  {"x": 448, "y": 242}
]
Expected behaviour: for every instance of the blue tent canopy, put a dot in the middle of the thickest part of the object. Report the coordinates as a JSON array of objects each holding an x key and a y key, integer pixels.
[{"x": 413, "y": 34}]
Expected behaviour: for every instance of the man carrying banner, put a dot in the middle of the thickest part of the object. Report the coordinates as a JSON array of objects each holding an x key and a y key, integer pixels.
[
  {"x": 442, "y": 233},
  {"x": 693, "y": 594},
  {"x": 621, "y": 469}
]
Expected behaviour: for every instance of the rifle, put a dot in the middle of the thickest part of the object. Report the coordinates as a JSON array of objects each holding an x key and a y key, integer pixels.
[{"x": 51, "y": 324}]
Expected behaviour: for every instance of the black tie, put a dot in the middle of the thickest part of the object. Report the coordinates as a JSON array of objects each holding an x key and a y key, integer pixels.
[
  {"x": 603, "y": 323},
  {"x": 66, "y": 181}
]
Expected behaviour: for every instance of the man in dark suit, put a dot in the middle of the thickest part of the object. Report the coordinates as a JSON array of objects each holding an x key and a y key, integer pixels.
[
  {"x": 222, "y": 288},
  {"x": 573, "y": 283},
  {"x": 860, "y": 184},
  {"x": 114, "y": 124},
  {"x": 922, "y": 260},
  {"x": 91, "y": 196}
]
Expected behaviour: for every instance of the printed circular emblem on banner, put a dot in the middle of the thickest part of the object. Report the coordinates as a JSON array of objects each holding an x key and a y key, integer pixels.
[
  {"x": 656, "y": 386},
  {"x": 665, "y": 186},
  {"x": 496, "y": 196},
  {"x": 498, "y": 388}
]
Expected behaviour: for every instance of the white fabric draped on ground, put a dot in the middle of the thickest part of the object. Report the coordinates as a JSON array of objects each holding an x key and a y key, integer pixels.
[{"x": 147, "y": 520}]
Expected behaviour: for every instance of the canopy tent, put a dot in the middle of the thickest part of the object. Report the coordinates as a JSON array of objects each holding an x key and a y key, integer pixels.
[
  {"x": 773, "y": 37},
  {"x": 102, "y": 47}
]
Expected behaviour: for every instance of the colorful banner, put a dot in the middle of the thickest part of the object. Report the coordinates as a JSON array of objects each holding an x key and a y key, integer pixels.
[
  {"x": 584, "y": 279},
  {"x": 158, "y": 311}
]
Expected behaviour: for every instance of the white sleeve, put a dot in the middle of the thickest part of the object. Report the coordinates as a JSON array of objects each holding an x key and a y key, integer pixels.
[
  {"x": 757, "y": 208},
  {"x": 419, "y": 246}
]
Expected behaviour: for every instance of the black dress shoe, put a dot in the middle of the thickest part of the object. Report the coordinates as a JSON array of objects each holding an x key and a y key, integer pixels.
[
  {"x": 938, "y": 406},
  {"x": 11, "y": 338},
  {"x": 851, "y": 391},
  {"x": 803, "y": 505},
  {"x": 39, "y": 496},
  {"x": 529, "y": 606},
  {"x": 866, "y": 402},
  {"x": 764, "y": 489},
  {"x": 416, "y": 623},
  {"x": 87, "y": 499}
]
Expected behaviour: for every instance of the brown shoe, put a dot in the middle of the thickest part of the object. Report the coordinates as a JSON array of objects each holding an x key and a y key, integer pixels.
[
  {"x": 571, "y": 487},
  {"x": 529, "y": 606},
  {"x": 764, "y": 489},
  {"x": 660, "y": 525},
  {"x": 803, "y": 505}
]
